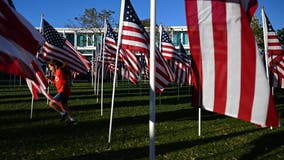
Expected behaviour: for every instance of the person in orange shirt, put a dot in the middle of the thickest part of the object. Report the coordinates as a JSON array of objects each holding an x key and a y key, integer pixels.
[{"x": 60, "y": 79}]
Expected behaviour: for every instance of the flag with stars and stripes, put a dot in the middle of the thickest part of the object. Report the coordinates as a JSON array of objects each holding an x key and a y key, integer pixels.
[
  {"x": 135, "y": 39},
  {"x": 274, "y": 53},
  {"x": 57, "y": 47},
  {"x": 175, "y": 60},
  {"x": 110, "y": 44}
]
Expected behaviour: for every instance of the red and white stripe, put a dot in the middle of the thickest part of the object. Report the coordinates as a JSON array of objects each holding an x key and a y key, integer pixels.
[
  {"x": 19, "y": 42},
  {"x": 80, "y": 56},
  {"x": 230, "y": 78},
  {"x": 65, "y": 54},
  {"x": 135, "y": 38}
]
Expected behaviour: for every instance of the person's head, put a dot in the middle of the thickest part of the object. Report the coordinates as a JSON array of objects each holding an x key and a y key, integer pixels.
[{"x": 53, "y": 65}]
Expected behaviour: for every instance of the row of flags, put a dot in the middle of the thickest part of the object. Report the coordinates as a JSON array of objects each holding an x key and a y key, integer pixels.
[
  {"x": 226, "y": 70},
  {"x": 171, "y": 64}
]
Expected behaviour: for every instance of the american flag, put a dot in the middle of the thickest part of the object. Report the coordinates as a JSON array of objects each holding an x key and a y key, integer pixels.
[
  {"x": 110, "y": 44},
  {"x": 135, "y": 39},
  {"x": 275, "y": 54},
  {"x": 188, "y": 60},
  {"x": 57, "y": 47},
  {"x": 230, "y": 77},
  {"x": 19, "y": 42},
  {"x": 176, "y": 61}
]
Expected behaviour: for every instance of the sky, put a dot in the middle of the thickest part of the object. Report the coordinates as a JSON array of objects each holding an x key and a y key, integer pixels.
[{"x": 168, "y": 12}]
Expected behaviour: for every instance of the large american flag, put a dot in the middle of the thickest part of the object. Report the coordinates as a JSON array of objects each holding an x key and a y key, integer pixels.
[
  {"x": 178, "y": 62},
  {"x": 57, "y": 47},
  {"x": 275, "y": 54},
  {"x": 135, "y": 39},
  {"x": 230, "y": 77},
  {"x": 19, "y": 42}
]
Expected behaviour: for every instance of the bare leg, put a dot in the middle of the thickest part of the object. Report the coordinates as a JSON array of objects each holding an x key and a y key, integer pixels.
[{"x": 53, "y": 105}]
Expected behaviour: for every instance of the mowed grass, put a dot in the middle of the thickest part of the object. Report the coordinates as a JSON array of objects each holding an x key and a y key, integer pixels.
[{"x": 44, "y": 137}]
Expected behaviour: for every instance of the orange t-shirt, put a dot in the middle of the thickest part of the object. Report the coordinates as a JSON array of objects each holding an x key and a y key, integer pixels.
[{"x": 61, "y": 83}]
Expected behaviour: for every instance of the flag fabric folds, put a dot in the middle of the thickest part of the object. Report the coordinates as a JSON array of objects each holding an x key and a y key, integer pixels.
[
  {"x": 273, "y": 52},
  {"x": 177, "y": 61},
  {"x": 135, "y": 39},
  {"x": 229, "y": 77},
  {"x": 110, "y": 44},
  {"x": 57, "y": 47},
  {"x": 19, "y": 42}
]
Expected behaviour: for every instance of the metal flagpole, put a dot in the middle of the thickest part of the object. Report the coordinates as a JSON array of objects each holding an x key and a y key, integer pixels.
[
  {"x": 92, "y": 69},
  {"x": 264, "y": 26},
  {"x": 101, "y": 54},
  {"x": 98, "y": 82},
  {"x": 32, "y": 107},
  {"x": 32, "y": 103},
  {"x": 95, "y": 62},
  {"x": 115, "y": 68},
  {"x": 103, "y": 64},
  {"x": 265, "y": 41},
  {"x": 160, "y": 48},
  {"x": 199, "y": 121},
  {"x": 152, "y": 81}
]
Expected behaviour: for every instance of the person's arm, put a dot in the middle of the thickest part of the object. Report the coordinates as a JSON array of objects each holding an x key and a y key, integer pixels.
[{"x": 50, "y": 78}]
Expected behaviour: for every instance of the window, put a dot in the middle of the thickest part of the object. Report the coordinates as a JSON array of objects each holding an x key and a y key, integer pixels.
[
  {"x": 70, "y": 37},
  {"x": 185, "y": 38},
  {"x": 81, "y": 40},
  {"x": 177, "y": 38},
  {"x": 90, "y": 40}
]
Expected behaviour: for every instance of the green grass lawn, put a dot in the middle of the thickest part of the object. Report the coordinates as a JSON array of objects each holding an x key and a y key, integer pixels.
[{"x": 45, "y": 137}]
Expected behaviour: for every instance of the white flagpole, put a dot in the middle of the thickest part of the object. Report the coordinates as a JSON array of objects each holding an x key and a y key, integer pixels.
[
  {"x": 95, "y": 62},
  {"x": 265, "y": 40},
  {"x": 92, "y": 69},
  {"x": 32, "y": 107},
  {"x": 32, "y": 103},
  {"x": 102, "y": 69},
  {"x": 264, "y": 26},
  {"x": 115, "y": 68},
  {"x": 160, "y": 48},
  {"x": 103, "y": 64},
  {"x": 152, "y": 81},
  {"x": 98, "y": 82},
  {"x": 46, "y": 69},
  {"x": 199, "y": 121}
]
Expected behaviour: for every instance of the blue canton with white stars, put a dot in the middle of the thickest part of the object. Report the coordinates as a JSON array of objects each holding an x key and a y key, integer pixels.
[
  {"x": 165, "y": 37},
  {"x": 110, "y": 33},
  {"x": 52, "y": 36}
]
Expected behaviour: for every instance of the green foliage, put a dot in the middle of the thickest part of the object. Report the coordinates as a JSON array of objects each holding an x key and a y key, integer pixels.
[
  {"x": 45, "y": 137},
  {"x": 258, "y": 32},
  {"x": 92, "y": 19}
]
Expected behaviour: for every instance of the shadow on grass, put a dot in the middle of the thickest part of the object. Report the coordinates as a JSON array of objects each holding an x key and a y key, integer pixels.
[
  {"x": 143, "y": 152},
  {"x": 265, "y": 144}
]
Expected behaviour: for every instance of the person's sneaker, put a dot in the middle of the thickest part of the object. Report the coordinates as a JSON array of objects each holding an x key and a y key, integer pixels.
[
  {"x": 73, "y": 121},
  {"x": 63, "y": 116}
]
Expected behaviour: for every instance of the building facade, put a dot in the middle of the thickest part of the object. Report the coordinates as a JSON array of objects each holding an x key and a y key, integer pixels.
[{"x": 88, "y": 41}]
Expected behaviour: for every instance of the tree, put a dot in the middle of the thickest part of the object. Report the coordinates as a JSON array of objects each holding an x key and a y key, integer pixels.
[
  {"x": 91, "y": 19},
  {"x": 258, "y": 32}
]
